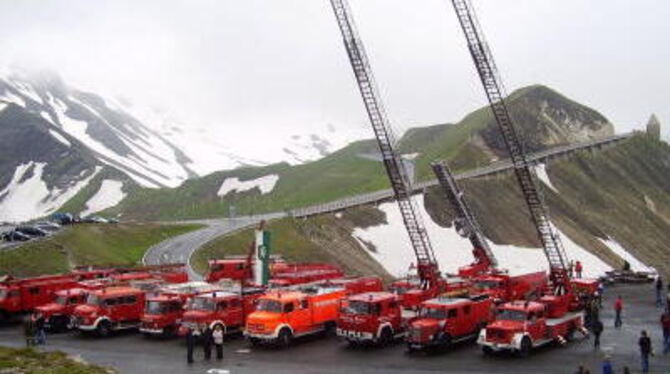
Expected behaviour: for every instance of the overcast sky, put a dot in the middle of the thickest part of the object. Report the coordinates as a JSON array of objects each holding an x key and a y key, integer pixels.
[{"x": 279, "y": 65}]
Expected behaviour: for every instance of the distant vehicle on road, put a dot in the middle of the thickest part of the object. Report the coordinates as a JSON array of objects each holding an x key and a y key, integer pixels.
[
  {"x": 33, "y": 231},
  {"x": 15, "y": 236},
  {"x": 63, "y": 218},
  {"x": 47, "y": 226}
]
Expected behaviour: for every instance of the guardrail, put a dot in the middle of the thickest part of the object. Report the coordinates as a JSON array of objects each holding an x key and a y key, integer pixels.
[{"x": 494, "y": 168}]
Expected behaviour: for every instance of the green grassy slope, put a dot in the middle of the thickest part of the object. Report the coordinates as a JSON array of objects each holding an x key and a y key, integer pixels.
[
  {"x": 30, "y": 361},
  {"x": 84, "y": 244},
  {"x": 621, "y": 192},
  {"x": 345, "y": 173}
]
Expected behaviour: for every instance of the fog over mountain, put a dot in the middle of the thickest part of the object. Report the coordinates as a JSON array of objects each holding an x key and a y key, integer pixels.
[{"x": 272, "y": 68}]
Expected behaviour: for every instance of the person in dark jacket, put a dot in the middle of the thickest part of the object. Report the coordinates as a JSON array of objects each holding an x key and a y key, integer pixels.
[
  {"x": 645, "y": 350},
  {"x": 207, "y": 342},
  {"x": 39, "y": 326},
  {"x": 191, "y": 340},
  {"x": 597, "y": 329},
  {"x": 659, "y": 291}
]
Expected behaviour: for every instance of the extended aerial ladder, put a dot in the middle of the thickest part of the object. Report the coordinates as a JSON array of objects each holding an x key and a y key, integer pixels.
[
  {"x": 427, "y": 267},
  {"x": 495, "y": 92},
  {"x": 465, "y": 223}
]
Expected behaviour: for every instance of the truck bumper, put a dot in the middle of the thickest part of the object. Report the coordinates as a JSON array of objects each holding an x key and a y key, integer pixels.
[
  {"x": 498, "y": 346},
  {"x": 146, "y": 330},
  {"x": 356, "y": 336},
  {"x": 87, "y": 327},
  {"x": 262, "y": 337}
]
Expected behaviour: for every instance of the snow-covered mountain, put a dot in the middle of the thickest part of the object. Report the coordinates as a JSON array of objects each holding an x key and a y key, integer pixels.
[{"x": 54, "y": 139}]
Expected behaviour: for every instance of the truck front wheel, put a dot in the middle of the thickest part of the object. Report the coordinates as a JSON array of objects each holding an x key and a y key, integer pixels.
[
  {"x": 386, "y": 337},
  {"x": 487, "y": 350},
  {"x": 526, "y": 346},
  {"x": 285, "y": 338},
  {"x": 104, "y": 328}
]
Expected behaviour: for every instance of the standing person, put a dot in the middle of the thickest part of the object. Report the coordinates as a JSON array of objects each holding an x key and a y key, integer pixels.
[
  {"x": 29, "y": 330},
  {"x": 578, "y": 268},
  {"x": 645, "y": 350},
  {"x": 665, "y": 324},
  {"x": 607, "y": 366},
  {"x": 40, "y": 333},
  {"x": 191, "y": 340},
  {"x": 601, "y": 290},
  {"x": 217, "y": 337},
  {"x": 659, "y": 291},
  {"x": 618, "y": 308},
  {"x": 207, "y": 342},
  {"x": 597, "y": 329}
]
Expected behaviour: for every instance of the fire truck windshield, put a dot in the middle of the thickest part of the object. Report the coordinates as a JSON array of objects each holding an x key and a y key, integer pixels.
[
  {"x": 436, "y": 313},
  {"x": 93, "y": 300},
  {"x": 154, "y": 307},
  {"x": 511, "y": 315},
  {"x": 269, "y": 306},
  {"x": 486, "y": 284},
  {"x": 361, "y": 307},
  {"x": 202, "y": 303}
]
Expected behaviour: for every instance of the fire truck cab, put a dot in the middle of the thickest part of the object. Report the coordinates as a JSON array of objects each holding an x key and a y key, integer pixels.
[
  {"x": 164, "y": 310},
  {"x": 110, "y": 309},
  {"x": 281, "y": 316},
  {"x": 224, "y": 308},
  {"x": 58, "y": 314},
  {"x": 523, "y": 325},
  {"x": 371, "y": 318},
  {"x": 443, "y": 321}
]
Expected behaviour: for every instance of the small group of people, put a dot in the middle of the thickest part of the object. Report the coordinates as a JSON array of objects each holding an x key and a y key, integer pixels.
[
  {"x": 34, "y": 327},
  {"x": 208, "y": 338}
]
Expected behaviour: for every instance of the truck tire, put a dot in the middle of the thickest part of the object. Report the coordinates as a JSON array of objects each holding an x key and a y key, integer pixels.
[
  {"x": 570, "y": 335},
  {"x": 285, "y": 338},
  {"x": 104, "y": 329},
  {"x": 330, "y": 328},
  {"x": 526, "y": 346},
  {"x": 255, "y": 342},
  {"x": 386, "y": 337},
  {"x": 352, "y": 343},
  {"x": 487, "y": 350}
]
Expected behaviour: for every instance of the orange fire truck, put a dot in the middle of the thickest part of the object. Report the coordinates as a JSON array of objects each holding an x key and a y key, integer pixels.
[{"x": 281, "y": 316}]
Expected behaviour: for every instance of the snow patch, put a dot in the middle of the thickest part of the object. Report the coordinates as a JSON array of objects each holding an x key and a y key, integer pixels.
[
  {"x": 2, "y": 106},
  {"x": 109, "y": 195},
  {"x": 265, "y": 184},
  {"x": 394, "y": 251},
  {"x": 10, "y": 97},
  {"x": 620, "y": 251},
  {"x": 59, "y": 137},
  {"x": 31, "y": 198},
  {"x": 541, "y": 172}
]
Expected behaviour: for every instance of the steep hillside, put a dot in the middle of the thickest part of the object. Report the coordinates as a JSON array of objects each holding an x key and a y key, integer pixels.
[
  {"x": 610, "y": 205},
  {"x": 356, "y": 168}
]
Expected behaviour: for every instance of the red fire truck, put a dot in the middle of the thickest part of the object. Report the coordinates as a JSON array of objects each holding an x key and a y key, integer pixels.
[
  {"x": 371, "y": 318},
  {"x": 411, "y": 293},
  {"x": 58, "y": 314},
  {"x": 523, "y": 325},
  {"x": 24, "y": 295},
  {"x": 164, "y": 310},
  {"x": 110, "y": 309},
  {"x": 502, "y": 287},
  {"x": 444, "y": 321},
  {"x": 281, "y": 273},
  {"x": 224, "y": 308}
]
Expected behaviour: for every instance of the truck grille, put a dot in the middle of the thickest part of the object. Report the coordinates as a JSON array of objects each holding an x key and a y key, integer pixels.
[
  {"x": 415, "y": 335},
  {"x": 497, "y": 335},
  {"x": 255, "y": 327}
]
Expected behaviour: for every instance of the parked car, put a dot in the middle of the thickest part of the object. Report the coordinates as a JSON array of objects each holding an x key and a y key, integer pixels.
[
  {"x": 33, "y": 231},
  {"x": 15, "y": 236},
  {"x": 47, "y": 226},
  {"x": 63, "y": 218}
]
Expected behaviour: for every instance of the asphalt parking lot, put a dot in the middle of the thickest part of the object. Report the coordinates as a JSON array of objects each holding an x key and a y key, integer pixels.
[{"x": 132, "y": 353}]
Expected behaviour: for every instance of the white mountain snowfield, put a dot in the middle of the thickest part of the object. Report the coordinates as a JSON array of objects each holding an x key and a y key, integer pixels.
[
  {"x": 265, "y": 183},
  {"x": 620, "y": 251},
  {"x": 394, "y": 251},
  {"x": 28, "y": 197},
  {"x": 109, "y": 194},
  {"x": 147, "y": 149}
]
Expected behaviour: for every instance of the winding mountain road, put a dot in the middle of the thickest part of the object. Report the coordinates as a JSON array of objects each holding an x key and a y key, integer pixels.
[{"x": 179, "y": 249}]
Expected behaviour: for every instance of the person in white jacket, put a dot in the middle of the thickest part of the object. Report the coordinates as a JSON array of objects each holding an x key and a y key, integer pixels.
[{"x": 217, "y": 337}]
